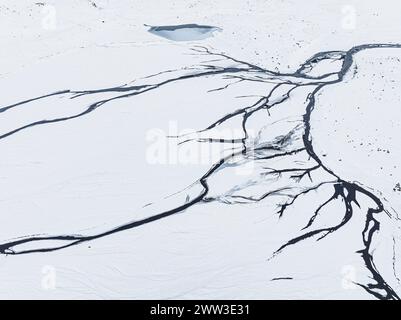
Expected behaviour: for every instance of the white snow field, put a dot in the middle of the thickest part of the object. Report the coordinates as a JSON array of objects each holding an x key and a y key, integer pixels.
[{"x": 200, "y": 149}]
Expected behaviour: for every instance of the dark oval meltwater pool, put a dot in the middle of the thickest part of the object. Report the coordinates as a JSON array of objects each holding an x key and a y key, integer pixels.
[{"x": 184, "y": 32}]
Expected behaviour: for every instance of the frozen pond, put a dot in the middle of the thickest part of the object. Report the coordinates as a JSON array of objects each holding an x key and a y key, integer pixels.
[{"x": 184, "y": 32}]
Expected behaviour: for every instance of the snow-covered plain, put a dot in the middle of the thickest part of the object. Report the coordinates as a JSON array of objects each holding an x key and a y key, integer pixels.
[{"x": 259, "y": 160}]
